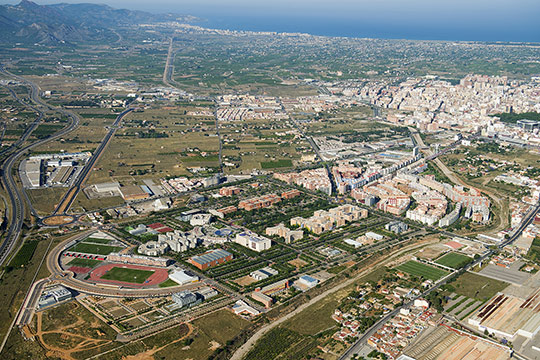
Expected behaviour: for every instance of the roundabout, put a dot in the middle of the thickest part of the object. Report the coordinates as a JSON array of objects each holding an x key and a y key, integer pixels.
[{"x": 58, "y": 220}]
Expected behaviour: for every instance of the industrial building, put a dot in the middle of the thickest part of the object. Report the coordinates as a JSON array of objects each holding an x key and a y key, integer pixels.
[
  {"x": 508, "y": 316},
  {"x": 210, "y": 258},
  {"x": 133, "y": 192}
]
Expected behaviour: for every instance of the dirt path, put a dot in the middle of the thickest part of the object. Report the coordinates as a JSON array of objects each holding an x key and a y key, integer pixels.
[
  {"x": 246, "y": 347},
  {"x": 55, "y": 351},
  {"x": 149, "y": 355}
]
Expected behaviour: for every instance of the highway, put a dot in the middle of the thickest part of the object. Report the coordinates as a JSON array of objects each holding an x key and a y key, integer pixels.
[{"x": 17, "y": 204}]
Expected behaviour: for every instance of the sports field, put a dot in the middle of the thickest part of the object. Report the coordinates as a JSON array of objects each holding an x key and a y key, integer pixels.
[
  {"x": 419, "y": 269},
  {"x": 134, "y": 276},
  {"x": 97, "y": 240},
  {"x": 454, "y": 260},
  {"x": 84, "y": 262},
  {"x": 98, "y": 249}
]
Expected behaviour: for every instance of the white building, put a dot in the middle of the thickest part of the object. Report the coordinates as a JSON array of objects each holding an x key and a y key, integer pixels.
[
  {"x": 181, "y": 277},
  {"x": 253, "y": 241}
]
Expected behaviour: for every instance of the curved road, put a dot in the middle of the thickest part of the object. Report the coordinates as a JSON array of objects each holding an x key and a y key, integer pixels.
[
  {"x": 71, "y": 194},
  {"x": 17, "y": 209}
]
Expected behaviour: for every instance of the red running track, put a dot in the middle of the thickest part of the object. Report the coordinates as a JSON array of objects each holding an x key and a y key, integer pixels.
[
  {"x": 159, "y": 275},
  {"x": 79, "y": 269}
]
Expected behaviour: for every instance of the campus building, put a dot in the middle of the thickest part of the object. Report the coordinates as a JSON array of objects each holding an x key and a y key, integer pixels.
[
  {"x": 210, "y": 258},
  {"x": 253, "y": 241}
]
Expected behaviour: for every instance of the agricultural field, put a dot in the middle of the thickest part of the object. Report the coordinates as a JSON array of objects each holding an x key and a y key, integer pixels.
[
  {"x": 454, "y": 260},
  {"x": 134, "y": 276},
  {"x": 418, "y": 269},
  {"x": 159, "y": 142},
  {"x": 260, "y": 144}
]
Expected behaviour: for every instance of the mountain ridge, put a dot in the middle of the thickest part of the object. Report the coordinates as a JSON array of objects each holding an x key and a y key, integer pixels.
[{"x": 64, "y": 23}]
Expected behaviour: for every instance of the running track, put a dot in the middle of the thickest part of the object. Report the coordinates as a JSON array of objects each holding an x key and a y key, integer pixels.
[{"x": 159, "y": 275}]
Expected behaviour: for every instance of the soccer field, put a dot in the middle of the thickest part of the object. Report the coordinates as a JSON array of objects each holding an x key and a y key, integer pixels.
[
  {"x": 454, "y": 260},
  {"x": 97, "y": 249},
  {"x": 419, "y": 269},
  {"x": 135, "y": 276}
]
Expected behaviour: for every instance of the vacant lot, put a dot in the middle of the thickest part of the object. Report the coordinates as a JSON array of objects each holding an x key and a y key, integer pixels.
[
  {"x": 135, "y": 276},
  {"x": 477, "y": 286},
  {"x": 423, "y": 270},
  {"x": 454, "y": 260}
]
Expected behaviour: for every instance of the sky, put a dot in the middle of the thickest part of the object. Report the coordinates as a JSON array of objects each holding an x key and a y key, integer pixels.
[{"x": 483, "y": 20}]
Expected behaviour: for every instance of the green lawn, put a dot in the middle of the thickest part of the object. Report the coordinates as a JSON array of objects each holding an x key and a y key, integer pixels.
[
  {"x": 84, "y": 262},
  {"x": 98, "y": 241},
  {"x": 454, "y": 260},
  {"x": 276, "y": 164},
  {"x": 135, "y": 276},
  {"x": 168, "y": 283},
  {"x": 419, "y": 269},
  {"x": 87, "y": 248}
]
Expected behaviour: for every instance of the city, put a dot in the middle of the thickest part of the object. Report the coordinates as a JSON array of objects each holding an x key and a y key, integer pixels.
[{"x": 175, "y": 191}]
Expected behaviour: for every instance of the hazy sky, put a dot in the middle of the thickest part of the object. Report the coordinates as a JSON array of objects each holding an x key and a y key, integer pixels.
[{"x": 504, "y": 20}]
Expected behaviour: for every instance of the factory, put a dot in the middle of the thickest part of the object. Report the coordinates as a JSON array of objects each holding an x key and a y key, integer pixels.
[{"x": 50, "y": 170}]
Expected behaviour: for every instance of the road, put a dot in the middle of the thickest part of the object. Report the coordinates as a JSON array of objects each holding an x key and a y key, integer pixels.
[
  {"x": 517, "y": 232},
  {"x": 71, "y": 194},
  {"x": 246, "y": 347},
  {"x": 316, "y": 150},
  {"x": 17, "y": 204},
  {"x": 169, "y": 65}
]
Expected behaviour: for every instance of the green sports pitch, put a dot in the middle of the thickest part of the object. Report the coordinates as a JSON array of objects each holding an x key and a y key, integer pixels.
[
  {"x": 97, "y": 249},
  {"x": 418, "y": 269},
  {"x": 134, "y": 276},
  {"x": 454, "y": 260}
]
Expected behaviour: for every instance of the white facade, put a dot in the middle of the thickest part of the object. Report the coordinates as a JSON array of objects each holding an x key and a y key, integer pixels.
[{"x": 253, "y": 241}]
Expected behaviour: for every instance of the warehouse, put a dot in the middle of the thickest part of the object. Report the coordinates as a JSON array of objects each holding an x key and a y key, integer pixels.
[
  {"x": 508, "y": 316},
  {"x": 211, "y": 258}
]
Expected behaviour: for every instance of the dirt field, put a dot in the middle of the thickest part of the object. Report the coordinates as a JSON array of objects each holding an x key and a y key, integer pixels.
[
  {"x": 431, "y": 252},
  {"x": 298, "y": 263},
  {"x": 81, "y": 331},
  {"x": 245, "y": 280}
]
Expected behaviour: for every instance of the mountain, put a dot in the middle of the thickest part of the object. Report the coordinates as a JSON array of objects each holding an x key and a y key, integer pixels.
[{"x": 69, "y": 23}]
